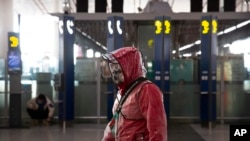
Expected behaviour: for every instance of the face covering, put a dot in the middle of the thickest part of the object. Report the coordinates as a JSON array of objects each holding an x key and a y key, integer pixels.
[{"x": 111, "y": 69}]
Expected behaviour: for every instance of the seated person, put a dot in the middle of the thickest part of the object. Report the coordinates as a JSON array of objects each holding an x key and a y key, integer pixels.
[{"x": 40, "y": 109}]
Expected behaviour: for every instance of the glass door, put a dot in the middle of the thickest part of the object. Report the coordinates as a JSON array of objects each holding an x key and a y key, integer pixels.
[
  {"x": 184, "y": 99},
  {"x": 233, "y": 100}
]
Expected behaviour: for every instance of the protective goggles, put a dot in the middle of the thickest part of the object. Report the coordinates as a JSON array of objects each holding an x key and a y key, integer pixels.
[{"x": 108, "y": 65}]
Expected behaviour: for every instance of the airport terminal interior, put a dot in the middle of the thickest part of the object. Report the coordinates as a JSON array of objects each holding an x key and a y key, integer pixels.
[{"x": 64, "y": 39}]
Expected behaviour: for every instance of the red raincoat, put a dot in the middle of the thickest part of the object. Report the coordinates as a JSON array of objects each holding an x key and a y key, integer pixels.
[{"x": 142, "y": 117}]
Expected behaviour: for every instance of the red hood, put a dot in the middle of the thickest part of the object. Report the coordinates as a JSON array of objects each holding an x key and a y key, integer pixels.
[{"x": 130, "y": 60}]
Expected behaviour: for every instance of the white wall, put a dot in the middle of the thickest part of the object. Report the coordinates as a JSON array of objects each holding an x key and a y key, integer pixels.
[{"x": 6, "y": 25}]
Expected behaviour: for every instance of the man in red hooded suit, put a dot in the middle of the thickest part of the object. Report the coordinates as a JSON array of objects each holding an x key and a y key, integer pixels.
[{"x": 138, "y": 111}]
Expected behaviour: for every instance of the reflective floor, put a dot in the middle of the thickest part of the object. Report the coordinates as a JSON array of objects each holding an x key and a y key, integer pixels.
[
  {"x": 94, "y": 132},
  {"x": 219, "y": 133}
]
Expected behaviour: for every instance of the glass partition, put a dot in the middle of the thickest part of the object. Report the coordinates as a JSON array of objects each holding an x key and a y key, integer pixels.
[
  {"x": 233, "y": 86},
  {"x": 184, "y": 101},
  {"x": 88, "y": 100},
  {"x": 233, "y": 100},
  {"x": 2, "y": 89}
]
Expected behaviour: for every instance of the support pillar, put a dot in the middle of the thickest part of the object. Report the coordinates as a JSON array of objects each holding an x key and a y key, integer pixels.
[
  {"x": 162, "y": 51},
  {"x": 14, "y": 68},
  {"x": 209, "y": 27},
  {"x": 115, "y": 36},
  {"x": 66, "y": 109}
]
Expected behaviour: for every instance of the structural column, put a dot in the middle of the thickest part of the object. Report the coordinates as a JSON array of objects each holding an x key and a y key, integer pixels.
[
  {"x": 115, "y": 41},
  {"x": 66, "y": 68},
  {"x": 161, "y": 63},
  {"x": 14, "y": 68},
  {"x": 209, "y": 27},
  {"x": 6, "y": 25}
]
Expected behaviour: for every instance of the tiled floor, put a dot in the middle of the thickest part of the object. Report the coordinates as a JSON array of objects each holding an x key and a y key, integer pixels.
[
  {"x": 94, "y": 132},
  {"x": 219, "y": 133},
  {"x": 79, "y": 132}
]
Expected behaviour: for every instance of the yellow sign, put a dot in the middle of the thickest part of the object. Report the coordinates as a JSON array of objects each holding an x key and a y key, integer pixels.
[
  {"x": 205, "y": 25},
  {"x": 158, "y": 26},
  {"x": 215, "y": 26},
  {"x": 167, "y": 26},
  {"x": 14, "y": 41}
]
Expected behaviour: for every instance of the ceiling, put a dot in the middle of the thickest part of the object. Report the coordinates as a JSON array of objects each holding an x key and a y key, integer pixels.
[
  {"x": 35, "y": 7},
  {"x": 184, "y": 31}
]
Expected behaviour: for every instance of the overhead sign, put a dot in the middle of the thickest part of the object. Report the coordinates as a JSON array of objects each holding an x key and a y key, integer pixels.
[
  {"x": 61, "y": 26},
  {"x": 207, "y": 27},
  {"x": 69, "y": 26},
  {"x": 160, "y": 25},
  {"x": 13, "y": 40},
  {"x": 167, "y": 26},
  {"x": 118, "y": 27},
  {"x": 110, "y": 29},
  {"x": 215, "y": 26}
]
